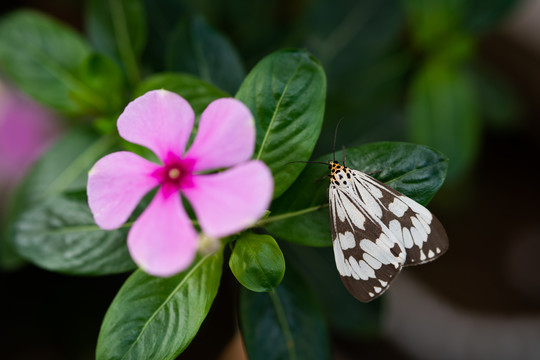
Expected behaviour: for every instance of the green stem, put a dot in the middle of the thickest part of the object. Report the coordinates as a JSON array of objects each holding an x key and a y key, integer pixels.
[
  {"x": 282, "y": 319},
  {"x": 280, "y": 217}
]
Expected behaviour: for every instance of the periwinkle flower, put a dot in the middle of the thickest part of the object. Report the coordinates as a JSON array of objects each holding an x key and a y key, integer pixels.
[{"x": 163, "y": 241}]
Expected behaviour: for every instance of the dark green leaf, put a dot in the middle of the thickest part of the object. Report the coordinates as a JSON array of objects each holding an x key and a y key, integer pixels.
[
  {"x": 286, "y": 323},
  {"x": 9, "y": 259},
  {"x": 286, "y": 94},
  {"x": 161, "y": 17},
  {"x": 301, "y": 214},
  {"x": 156, "y": 318},
  {"x": 59, "y": 234},
  {"x": 483, "y": 15},
  {"x": 257, "y": 262},
  {"x": 442, "y": 112},
  {"x": 118, "y": 28},
  {"x": 42, "y": 56},
  {"x": 318, "y": 266},
  {"x": 196, "y": 48},
  {"x": 197, "y": 92}
]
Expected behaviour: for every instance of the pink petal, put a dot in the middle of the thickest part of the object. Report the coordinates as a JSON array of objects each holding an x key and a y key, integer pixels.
[
  {"x": 226, "y": 135},
  {"x": 232, "y": 200},
  {"x": 116, "y": 184},
  {"x": 162, "y": 241},
  {"x": 159, "y": 120}
]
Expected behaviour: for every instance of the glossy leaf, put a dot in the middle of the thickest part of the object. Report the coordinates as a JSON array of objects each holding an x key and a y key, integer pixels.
[
  {"x": 286, "y": 94},
  {"x": 286, "y": 323},
  {"x": 257, "y": 262},
  {"x": 118, "y": 29},
  {"x": 197, "y": 92},
  {"x": 442, "y": 112},
  {"x": 59, "y": 234},
  {"x": 42, "y": 56},
  {"x": 156, "y": 318},
  {"x": 301, "y": 215},
  {"x": 196, "y": 48}
]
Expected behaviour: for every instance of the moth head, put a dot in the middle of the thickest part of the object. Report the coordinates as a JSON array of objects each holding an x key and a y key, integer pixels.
[{"x": 340, "y": 176}]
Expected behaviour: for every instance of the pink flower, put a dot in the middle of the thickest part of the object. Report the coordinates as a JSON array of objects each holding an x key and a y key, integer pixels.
[{"x": 162, "y": 241}]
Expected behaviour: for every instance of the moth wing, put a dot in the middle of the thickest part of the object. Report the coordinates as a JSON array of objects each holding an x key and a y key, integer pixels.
[
  {"x": 416, "y": 228},
  {"x": 368, "y": 256}
]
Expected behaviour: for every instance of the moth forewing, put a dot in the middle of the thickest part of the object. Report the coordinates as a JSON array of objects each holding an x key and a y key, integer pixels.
[{"x": 376, "y": 230}]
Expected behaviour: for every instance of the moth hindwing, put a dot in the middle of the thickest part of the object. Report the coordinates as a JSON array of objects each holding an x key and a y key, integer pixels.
[{"x": 376, "y": 231}]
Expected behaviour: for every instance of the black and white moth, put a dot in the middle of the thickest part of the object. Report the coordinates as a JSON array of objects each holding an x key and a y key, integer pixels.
[{"x": 376, "y": 231}]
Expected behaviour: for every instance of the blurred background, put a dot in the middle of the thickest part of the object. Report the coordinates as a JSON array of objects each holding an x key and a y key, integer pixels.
[{"x": 463, "y": 77}]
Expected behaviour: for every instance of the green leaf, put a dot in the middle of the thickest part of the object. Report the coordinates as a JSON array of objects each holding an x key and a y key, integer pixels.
[
  {"x": 196, "y": 48},
  {"x": 59, "y": 234},
  {"x": 103, "y": 76},
  {"x": 63, "y": 168},
  {"x": 286, "y": 323},
  {"x": 257, "y": 262},
  {"x": 442, "y": 112},
  {"x": 42, "y": 56},
  {"x": 301, "y": 214},
  {"x": 156, "y": 318},
  {"x": 286, "y": 94},
  {"x": 197, "y": 92},
  {"x": 433, "y": 21},
  {"x": 118, "y": 28}
]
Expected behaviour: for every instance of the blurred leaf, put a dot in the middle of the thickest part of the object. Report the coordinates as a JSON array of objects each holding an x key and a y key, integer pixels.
[
  {"x": 442, "y": 112},
  {"x": 42, "y": 56},
  {"x": 118, "y": 28},
  {"x": 483, "y": 15},
  {"x": 161, "y": 17},
  {"x": 499, "y": 102},
  {"x": 63, "y": 168},
  {"x": 257, "y": 262},
  {"x": 156, "y": 318},
  {"x": 196, "y": 48},
  {"x": 197, "y": 92},
  {"x": 9, "y": 259},
  {"x": 351, "y": 318},
  {"x": 286, "y": 94},
  {"x": 286, "y": 323},
  {"x": 103, "y": 76},
  {"x": 301, "y": 214},
  {"x": 59, "y": 234},
  {"x": 431, "y": 22},
  {"x": 351, "y": 37}
]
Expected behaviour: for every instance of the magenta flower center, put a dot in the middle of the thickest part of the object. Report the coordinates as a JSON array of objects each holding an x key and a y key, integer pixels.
[{"x": 175, "y": 174}]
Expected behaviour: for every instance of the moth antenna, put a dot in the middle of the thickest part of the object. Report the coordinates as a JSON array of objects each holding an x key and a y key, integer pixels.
[
  {"x": 344, "y": 156},
  {"x": 307, "y": 162},
  {"x": 335, "y": 138}
]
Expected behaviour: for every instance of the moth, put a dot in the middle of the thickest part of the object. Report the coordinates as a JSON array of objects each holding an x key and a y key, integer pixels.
[{"x": 376, "y": 231}]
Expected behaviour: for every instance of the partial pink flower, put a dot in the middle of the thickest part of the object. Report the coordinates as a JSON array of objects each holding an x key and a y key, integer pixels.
[
  {"x": 163, "y": 241},
  {"x": 26, "y": 131}
]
